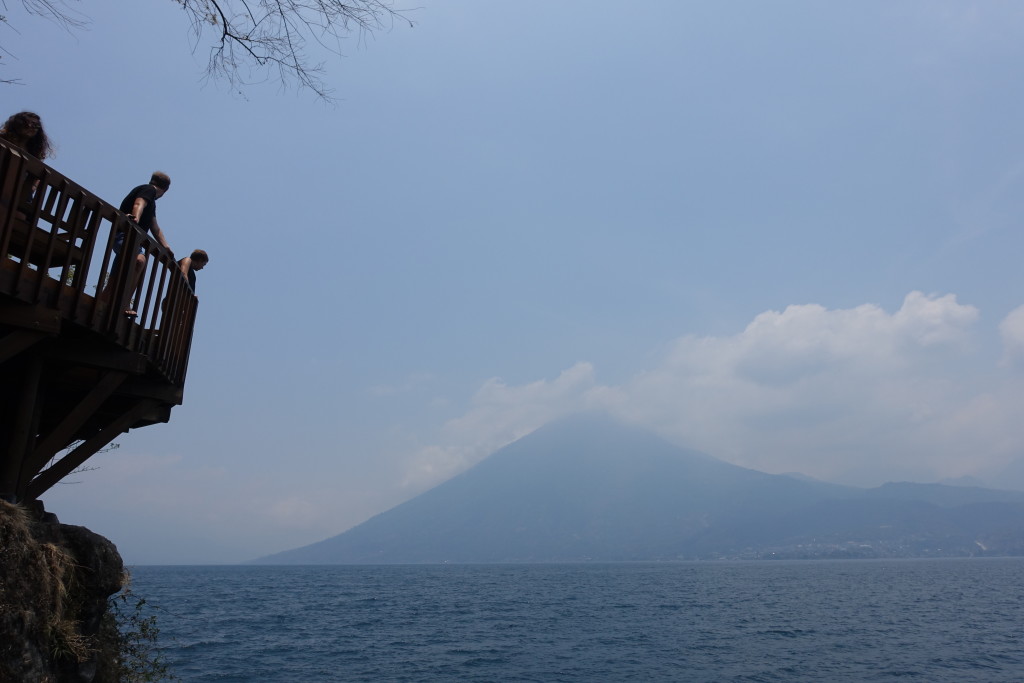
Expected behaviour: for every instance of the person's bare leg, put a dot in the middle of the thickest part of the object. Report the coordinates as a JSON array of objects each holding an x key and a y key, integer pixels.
[{"x": 140, "y": 268}]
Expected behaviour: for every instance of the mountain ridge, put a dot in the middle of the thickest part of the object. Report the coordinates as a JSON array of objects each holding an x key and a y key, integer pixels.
[{"x": 590, "y": 489}]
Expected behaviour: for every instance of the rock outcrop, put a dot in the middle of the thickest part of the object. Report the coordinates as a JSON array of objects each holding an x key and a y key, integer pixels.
[{"x": 55, "y": 584}]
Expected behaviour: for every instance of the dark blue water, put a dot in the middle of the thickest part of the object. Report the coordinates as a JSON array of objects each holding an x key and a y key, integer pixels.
[{"x": 929, "y": 620}]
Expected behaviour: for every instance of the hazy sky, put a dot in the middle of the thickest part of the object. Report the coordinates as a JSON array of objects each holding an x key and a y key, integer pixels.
[{"x": 783, "y": 233}]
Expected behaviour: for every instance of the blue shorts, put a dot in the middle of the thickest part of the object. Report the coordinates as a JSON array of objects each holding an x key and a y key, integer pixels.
[{"x": 119, "y": 242}]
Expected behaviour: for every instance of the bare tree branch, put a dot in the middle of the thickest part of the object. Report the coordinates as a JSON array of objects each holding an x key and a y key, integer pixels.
[
  {"x": 57, "y": 11},
  {"x": 83, "y": 468},
  {"x": 253, "y": 36}
]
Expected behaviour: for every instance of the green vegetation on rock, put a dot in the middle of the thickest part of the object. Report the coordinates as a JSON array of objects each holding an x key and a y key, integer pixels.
[{"x": 66, "y": 611}]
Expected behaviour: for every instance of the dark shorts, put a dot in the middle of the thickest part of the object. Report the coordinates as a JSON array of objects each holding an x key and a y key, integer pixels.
[{"x": 119, "y": 242}]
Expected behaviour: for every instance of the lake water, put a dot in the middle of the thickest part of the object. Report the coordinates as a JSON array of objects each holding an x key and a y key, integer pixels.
[{"x": 927, "y": 620}]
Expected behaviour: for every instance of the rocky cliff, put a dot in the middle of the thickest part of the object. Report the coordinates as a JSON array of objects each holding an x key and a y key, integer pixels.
[{"x": 55, "y": 584}]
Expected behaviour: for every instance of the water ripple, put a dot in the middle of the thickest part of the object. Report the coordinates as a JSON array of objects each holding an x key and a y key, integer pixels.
[{"x": 936, "y": 620}]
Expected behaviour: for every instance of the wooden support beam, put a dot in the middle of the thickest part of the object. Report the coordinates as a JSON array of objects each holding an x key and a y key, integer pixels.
[
  {"x": 112, "y": 359},
  {"x": 13, "y": 343},
  {"x": 36, "y": 318},
  {"x": 63, "y": 433},
  {"x": 66, "y": 465},
  {"x": 26, "y": 420},
  {"x": 160, "y": 414},
  {"x": 142, "y": 387}
]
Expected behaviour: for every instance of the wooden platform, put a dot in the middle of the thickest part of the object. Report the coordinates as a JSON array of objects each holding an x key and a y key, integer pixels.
[{"x": 75, "y": 372}]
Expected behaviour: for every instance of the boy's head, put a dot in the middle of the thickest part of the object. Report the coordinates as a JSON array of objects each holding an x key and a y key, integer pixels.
[
  {"x": 160, "y": 181},
  {"x": 199, "y": 259}
]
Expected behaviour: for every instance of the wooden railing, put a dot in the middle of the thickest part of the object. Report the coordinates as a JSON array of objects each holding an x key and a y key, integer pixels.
[
  {"x": 57, "y": 249},
  {"x": 75, "y": 370}
]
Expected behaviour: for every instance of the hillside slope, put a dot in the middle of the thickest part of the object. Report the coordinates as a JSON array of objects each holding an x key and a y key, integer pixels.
[{"x": 591, "y": 489}]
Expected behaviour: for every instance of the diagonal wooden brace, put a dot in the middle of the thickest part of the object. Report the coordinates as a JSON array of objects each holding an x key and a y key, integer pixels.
[
  {"x": 15, "y": 342},
  {"x": 62, "y": 434},
  {"x": 63, "y": 467}
]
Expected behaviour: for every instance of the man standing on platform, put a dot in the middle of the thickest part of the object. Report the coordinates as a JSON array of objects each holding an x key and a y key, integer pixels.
[{"x": 140, "y": 206}]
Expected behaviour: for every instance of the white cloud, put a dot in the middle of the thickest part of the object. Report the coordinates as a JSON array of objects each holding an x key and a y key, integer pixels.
[
  {"x": 498, "y": 415},
  {"x": 858, "y": 395},
  {"x": 1012, "y": 331}
]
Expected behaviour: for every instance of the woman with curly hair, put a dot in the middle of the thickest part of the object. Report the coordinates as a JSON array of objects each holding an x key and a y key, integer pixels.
[{"x": 25, "y": 129}]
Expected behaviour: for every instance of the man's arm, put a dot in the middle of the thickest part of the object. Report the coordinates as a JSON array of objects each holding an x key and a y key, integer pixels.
[
  {"x": 185, "y": 263},
  {"x": 137, "y": 208},
  {"x": 159, "y": 234}
]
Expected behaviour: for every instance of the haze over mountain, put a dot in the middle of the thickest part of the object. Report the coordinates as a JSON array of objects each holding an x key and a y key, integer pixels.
[{"x": 590, "y": 489}]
